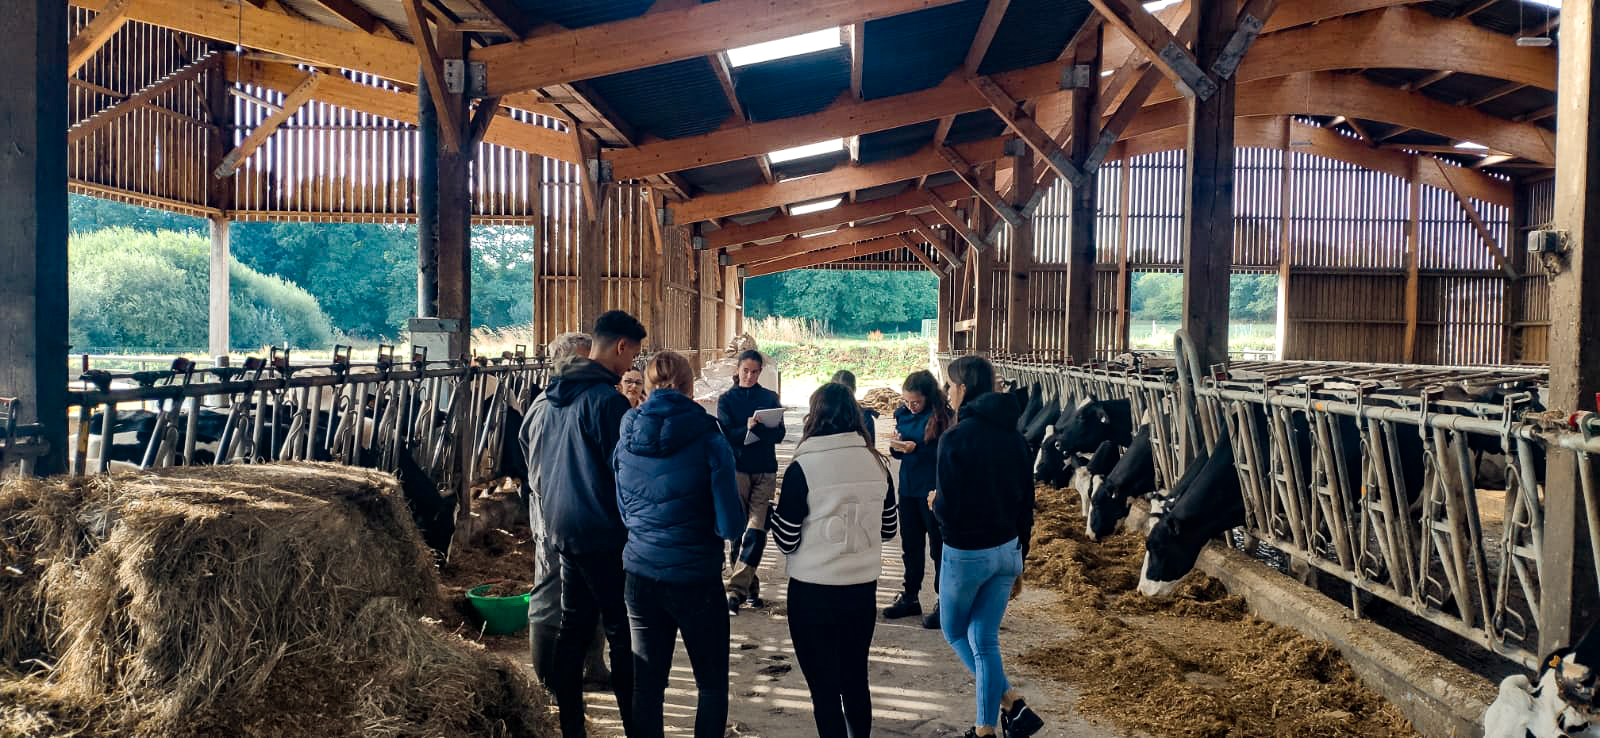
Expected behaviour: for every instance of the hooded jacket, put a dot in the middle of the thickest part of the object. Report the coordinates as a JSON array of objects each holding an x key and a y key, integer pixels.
[
  {"x": 676, "y": 490},
  {"x": 579, "y": 431},
  {"x": 917, "y": 476},
  {"x": 734, "y": 409},
  {"x": 985, "y": 487}
]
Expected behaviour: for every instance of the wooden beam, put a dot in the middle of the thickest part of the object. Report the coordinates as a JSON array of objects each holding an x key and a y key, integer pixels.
[
  {"x": 1500, "y": 260},
  {"x": 433, "y": 70},
  {"x": 358, "y": 17},
  {"x": 793, "y": 246},
  {"x": 671, "y": 35},
  {"x": 828, "y": 184},
  {"x": 1208, "y": 196},
  {"x": 992, "y": 15},
  {"x": 586, "y": 151},
  {"x": 846, "y": 117},
  {"x": 1494, "y": 94},
  {"x": 984, "y": 191},
  {"x": 1423, "y": 82},
  {"x": 140, "y": 98},
  {"x": 827, "y": 256},
  {"x": 1027, "y": 129},
  {"x": 292, "y": 103},
  {"x": 779, "y": 226},
  {"x": 1492, "y": 160},
  {"x": 719, "y": 65},
  {"x": 1413, "y": 259},
  {"x": 957, "y": 225},
  {"x": 922, "y": 256},
  {"x": 856, "y": 33},
  {"x": 1476, "y": 8},
  {"x": 1019, "y": 265},
  {"x": 1360, "y": 131},
  {"x": 1548, "y": 111},
  {"x": 86, "y": 42},
  {"x": 1082, "y": 221},
  {"x": 488, "y": 108},
  {"x": 1158, "y": 45}
]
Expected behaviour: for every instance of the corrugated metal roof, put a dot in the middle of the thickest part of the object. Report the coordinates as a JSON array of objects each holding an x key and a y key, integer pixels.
[
  {"x": 580, "y": 13},
  {"x": 975, "y": 126},
  {"x": 941, "y": 179},
  {"x": 915, "y": 51},
  {"x": 1521, "y": 102},
  {"x": 726, "y": 177},
  {"x": 795, "y": 85},
  {"x": 810, "y": 165},
  {"x": 896, "y": 142},
  {"x": 882, "y": 191},
  {"x": 682, "y": 98},
  {"x": 1033, "y": 32},
  {"x": 753, "y": 217}
]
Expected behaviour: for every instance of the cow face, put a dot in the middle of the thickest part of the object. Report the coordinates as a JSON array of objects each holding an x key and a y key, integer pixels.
[
  {"x": 1107, "y": 508},
  {"x": 1167, "y": 558},
  {"x": 1561, "y": 705}
]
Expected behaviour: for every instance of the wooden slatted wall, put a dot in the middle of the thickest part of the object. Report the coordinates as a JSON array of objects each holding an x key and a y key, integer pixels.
[{"x": 1530, "y": 301}]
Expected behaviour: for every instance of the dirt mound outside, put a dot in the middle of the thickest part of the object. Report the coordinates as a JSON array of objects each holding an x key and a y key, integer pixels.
[{"x": 1195, "y": 665}]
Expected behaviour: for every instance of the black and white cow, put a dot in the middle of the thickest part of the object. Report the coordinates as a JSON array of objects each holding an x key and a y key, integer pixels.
[
  {"x": 1133, "y": 476},
  {"x": 1202, "y": 507},
  {"x": 1043, "y": 421},
  {"x": 1090, "y": 472},
  {"x": 132, "y": 429},
  {"x": 1093, "y": 423},
  {"x": 1560, "y": 702},
  {"x": 433, "y": 511}
]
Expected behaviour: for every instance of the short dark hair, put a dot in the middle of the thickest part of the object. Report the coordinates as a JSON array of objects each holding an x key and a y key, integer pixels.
[
  {"x": 752, "y": 355},
  {"x": 616, "y": 325},
  {"x": 846, "y": 378}
]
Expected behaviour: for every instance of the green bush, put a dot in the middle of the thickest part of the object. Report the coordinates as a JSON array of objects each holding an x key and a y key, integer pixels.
[{"x": 134, "y": 290}]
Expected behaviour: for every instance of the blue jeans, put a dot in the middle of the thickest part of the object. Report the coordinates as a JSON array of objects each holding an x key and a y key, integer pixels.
[{"x": 974, "y": 587}]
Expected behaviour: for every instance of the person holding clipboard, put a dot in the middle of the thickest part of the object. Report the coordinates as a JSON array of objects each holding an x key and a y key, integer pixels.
[{"x": 752, "y": 418}]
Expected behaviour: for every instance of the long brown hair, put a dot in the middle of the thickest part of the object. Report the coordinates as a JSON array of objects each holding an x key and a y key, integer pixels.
[
  {"x": 975, "y": 373},
  {"x": 834, "y": 410},
  {"x": 939, "y": 415}
]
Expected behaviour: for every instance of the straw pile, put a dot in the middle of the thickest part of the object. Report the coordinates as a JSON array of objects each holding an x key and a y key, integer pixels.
[
  {"x": 238, "y": 600},
  {"x": 882, "y": 399}
]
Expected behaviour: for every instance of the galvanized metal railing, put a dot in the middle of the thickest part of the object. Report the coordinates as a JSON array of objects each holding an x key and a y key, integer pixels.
[{"x": 1366, "y": 472}]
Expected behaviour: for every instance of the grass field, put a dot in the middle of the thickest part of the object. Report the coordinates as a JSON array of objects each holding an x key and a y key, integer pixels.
[{"x": 1242, "y": 336}]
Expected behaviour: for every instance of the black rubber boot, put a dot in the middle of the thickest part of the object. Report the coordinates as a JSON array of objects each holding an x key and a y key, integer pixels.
[
  {"x": 542, "y": 652},
  {"x": 904, "y": 606}
]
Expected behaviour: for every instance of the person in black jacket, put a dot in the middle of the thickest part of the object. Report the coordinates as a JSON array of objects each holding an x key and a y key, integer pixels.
[
  {"x": 922, "y": 417},
  {"x": 870, "y": 416},
  {"x": 755, "y": 454},
  {"x": 582, "y": 426},
  {"x": 984, "y": 503}
]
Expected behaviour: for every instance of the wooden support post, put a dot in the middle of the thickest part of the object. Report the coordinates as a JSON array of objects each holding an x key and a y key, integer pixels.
[
  {"x": 218, "y": 289},
  {"x": 1124, "y": 278},
  {"x": 427, "y": 202},
  {"x": 1284, "y": 252},
  {"x": 1568, "y": 597},
  {"x": 455, "y": 209},
  {"x": 33, "y": 223},
  {"x": 983, "y": 293},
  {"x": 1019, "y": 323},
  {"x": 658, "y": 258},
  {"x": 947, "y": 318},
  {"x": 1413, "y": 258},
  {"x": 732, "y": 298},
  {"x": 1513, "y": 305},
  {"x": 591, "y": 273},
  {"x": 1081, "y": 223},
  {"x": 1208, "y": 196}
]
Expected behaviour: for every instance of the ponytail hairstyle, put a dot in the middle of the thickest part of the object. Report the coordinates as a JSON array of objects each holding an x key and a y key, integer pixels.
[{"x": 939, "y": 415}]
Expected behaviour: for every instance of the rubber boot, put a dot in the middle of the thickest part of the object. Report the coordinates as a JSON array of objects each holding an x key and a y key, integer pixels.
[{"x": 542, "y": 652}]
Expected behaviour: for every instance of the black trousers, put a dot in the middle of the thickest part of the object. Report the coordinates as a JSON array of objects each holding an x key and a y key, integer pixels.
[
  {"x": 657, "y": 612},
  {"x": 919, "y": 538},
  {"x": 592, "y": 591},
  {"x": 832, "y": 631}
]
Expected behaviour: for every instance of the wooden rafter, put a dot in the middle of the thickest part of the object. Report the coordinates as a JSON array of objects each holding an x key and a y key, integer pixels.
[
  {"x": 1494, "y": 94},
  {"x": 719, "y": 66},
  {"x": 1548, "y": 111},
  {"x": 433, "y": 71},
  {"x": 957, "y": 224},
  {"x": 984, "y": 190},
  {"x": 292, "y": 103},
  {"x": 938, "y": 242},
  {"x": 842, "y": 236},
  {"x": 1158, "y": 44},
  {"x": 482, "y": 118},
  {"x": 671, "y": 35},
  {"x": 856, "y": 34},
  {"x": 1476, "y": 8},
  {"x": 95, "y": 35},
  {"x": 1492, "y": 160},
  {"x": 139, "y": 99},
  {"x": 358, "y": 17},
  {"x": 1426, "y": 80},
  {"x": 922, "y": 256},
  {"x": 779, "y": 226},
  {"x": 1027, "y": 129},
  {"x": 828, "y": 256},
  {"x": 992, "y": 15},
  {"x": 1484, "y": 233},
  {"x": 504, "y": 16}
]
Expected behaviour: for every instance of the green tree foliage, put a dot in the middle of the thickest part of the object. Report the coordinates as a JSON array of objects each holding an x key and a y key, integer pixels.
[
  {"x": 140, "y": 290},
  {"x": 848, "y": 301},
  {"x": 86, "y": 214},
  {"x": 1159, "y": 296}
]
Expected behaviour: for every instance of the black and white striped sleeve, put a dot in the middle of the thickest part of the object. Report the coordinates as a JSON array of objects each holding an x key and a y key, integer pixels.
[
  {"x": 891, "y": 511},
  {"x": 789, "y": 514}
]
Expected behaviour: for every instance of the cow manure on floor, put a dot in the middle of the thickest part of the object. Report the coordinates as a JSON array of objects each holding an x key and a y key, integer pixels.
[{"x": 1195, "y": 665}]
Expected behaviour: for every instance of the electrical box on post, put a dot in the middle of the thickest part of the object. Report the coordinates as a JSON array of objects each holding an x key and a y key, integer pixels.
[{"x": 432, "y": 335}]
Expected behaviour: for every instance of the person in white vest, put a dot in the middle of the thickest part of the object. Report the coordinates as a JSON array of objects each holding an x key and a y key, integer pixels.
[{"x": 836, "y": 510}]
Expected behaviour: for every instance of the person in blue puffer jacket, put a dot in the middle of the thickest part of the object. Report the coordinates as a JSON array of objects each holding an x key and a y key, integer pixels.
[
  {"x": 679, "y": 498},
  {"x": 922, "y": 417}
]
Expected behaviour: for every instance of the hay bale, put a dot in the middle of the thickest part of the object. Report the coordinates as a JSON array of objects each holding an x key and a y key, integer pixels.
[
  {"x": 250, "y": 600},
  {"x": 882, "y": 399}
]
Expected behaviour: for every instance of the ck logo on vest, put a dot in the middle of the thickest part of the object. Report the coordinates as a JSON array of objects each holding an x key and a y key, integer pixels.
[{"x": 844, "y": 528}]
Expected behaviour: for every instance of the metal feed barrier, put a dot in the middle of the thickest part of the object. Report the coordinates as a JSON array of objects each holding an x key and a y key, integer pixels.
[
  {"x": 347, "y": 412},
  {"x": 1367, "y": 472}
]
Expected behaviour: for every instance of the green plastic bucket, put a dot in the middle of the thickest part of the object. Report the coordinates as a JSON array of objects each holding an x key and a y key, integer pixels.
[{"x": 501, "y": 615}]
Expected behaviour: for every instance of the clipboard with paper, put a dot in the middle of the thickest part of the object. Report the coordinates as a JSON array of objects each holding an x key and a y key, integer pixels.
[{"x": 771, "y": 418}]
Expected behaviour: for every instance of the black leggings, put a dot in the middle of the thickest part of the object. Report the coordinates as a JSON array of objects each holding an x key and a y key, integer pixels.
[
  {"x": 658, "y": 612},
  {"x": 832, "y": 631},
  {"x": 919, "y": 541}
]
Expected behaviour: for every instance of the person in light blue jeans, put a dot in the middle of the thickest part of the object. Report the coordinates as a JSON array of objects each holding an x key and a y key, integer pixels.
[{"x": 984, "y": 504}]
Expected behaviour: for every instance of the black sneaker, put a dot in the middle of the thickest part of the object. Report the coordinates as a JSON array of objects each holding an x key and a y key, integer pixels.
[
  {"x": 733, "y": 604},
  {"x": 1019, "y": 721},
  {"x": 755, "y": 602},
  {"x": 931, "y": 622},
  {"x": 902, "y": 607}
]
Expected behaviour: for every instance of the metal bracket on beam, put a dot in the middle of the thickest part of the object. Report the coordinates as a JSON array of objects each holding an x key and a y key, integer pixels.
[
  {"x": 698, "y": 242},
  {"x": 455, "y": 76},
  {"x": 1195, "y": 82},
  {"x": 1061, "y": 161},
  {"x": 1076, "y": 76},
  {"x": 1097, "y": 155},
  {"x": 744, "y": 271},
  {"x": 478, "y": 79},
  {"x": 723, "y": 259},
  {"x": 599, "y": 170},
  {"x": 664, "y": 216},
  {"x": 1233, "y": 53},
  {"x": 1034, "y": 201},
  {"x": 1016, "y": 147}
]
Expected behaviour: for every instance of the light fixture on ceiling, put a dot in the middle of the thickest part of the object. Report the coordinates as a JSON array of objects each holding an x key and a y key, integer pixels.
[{"x": 1538, "y": 41}]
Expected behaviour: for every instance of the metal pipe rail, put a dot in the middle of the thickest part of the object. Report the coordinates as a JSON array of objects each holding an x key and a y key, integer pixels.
[{"x": 1370, "y": 477}]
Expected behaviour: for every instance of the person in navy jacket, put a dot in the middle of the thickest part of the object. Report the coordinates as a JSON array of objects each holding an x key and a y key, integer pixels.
[
  {"x": 921, "y": 419},
  {"x": 868, "y": 415},
  {"x": 755, "y": 453},
  {"x": 679, "y": 499}
]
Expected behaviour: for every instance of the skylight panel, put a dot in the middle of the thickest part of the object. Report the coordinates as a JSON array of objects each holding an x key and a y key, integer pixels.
[
  {"x": 804, "y": 43},
  {"x": 1556, "y": 4},
  {"x": 801, "y": 152},
  {"x": 1471, "y": 146},
  {"x": 819, "y": 233},
  {"x": 816, "y": 207}
]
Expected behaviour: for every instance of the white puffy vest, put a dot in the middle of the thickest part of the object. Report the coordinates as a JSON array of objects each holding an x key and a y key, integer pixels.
[{"x": 841, "y": 539}]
